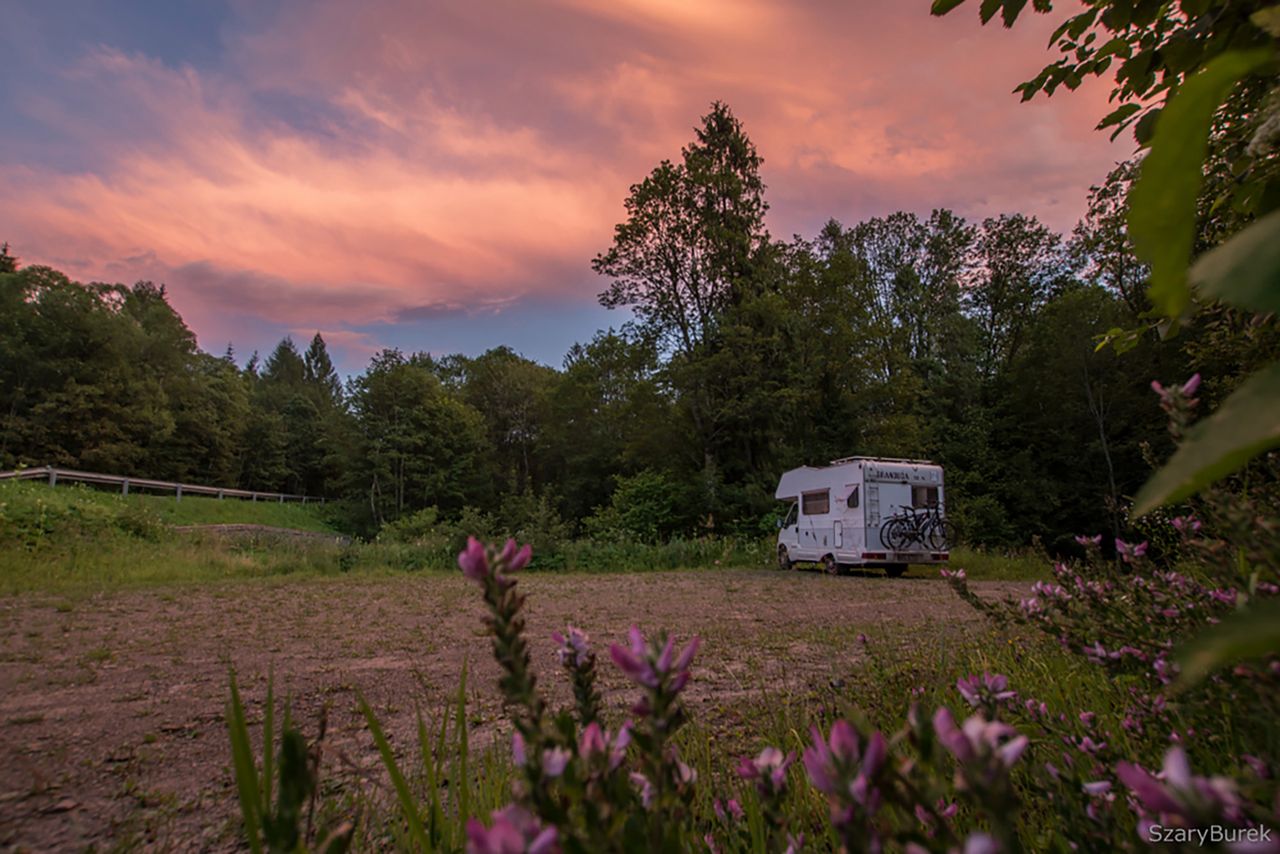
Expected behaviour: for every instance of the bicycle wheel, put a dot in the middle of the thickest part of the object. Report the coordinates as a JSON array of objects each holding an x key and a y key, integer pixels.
[
  {"x": 942, "y": 534},
  {"x": 885, "y": 530},
  {"x": 900, "y": 535}
]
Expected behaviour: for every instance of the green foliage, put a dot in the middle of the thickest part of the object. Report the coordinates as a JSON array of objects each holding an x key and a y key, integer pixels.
[
  {"x": 645, "y": 508},
  {"x": 418, "y": 445},
  {"x": 1151, "y": 48},
  {"x": 1162, "y": 203}
]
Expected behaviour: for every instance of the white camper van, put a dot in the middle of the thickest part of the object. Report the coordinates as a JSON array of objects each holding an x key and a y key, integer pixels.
[{"x": 864, "y": 511}]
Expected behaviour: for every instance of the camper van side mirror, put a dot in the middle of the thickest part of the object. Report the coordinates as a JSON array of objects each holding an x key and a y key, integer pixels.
[{"x": 780, "y": 523}]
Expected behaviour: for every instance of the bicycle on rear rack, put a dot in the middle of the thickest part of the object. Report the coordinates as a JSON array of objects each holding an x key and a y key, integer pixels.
[{"x": 925, "y": 526}]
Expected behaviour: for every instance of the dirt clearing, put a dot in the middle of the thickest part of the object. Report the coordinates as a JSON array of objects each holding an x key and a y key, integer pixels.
[{"x": 111, "y": 714}]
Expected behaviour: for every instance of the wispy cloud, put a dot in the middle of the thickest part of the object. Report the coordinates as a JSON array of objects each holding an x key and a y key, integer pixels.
[{"x": 339, "y": 169}]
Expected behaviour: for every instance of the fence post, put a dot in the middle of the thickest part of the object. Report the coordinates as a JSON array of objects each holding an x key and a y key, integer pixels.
[
  {"x": 178, "y": 493},
  {"x": 53, "y": 476},
  {"x": 219, "y": 494},
  {"x": 124, "y": 487}
]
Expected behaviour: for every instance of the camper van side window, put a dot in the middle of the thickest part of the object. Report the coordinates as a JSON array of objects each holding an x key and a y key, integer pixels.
[
  {"x": 853, "y": 499},
  {"x": 816, "y": 503},
  {"x": 924, "y": 496}
]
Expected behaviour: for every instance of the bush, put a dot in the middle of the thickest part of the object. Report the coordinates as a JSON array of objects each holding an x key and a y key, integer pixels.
[{"x": 645, "y": 507}]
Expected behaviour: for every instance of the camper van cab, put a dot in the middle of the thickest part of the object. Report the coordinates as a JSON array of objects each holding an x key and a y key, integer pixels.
[{"x": 839, "y": 512}]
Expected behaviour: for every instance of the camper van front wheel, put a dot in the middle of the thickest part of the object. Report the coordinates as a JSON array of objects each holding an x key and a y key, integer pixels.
[
  {"x": 784, "y": 559},
  {"x": 829, "y": 565}
]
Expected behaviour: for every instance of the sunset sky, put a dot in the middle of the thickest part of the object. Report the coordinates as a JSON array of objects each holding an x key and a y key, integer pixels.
[{"x": 438, "y": 175}]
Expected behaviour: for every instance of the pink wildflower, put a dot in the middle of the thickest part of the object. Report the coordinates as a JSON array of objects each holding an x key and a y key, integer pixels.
[
  {"x": 513, "y": 831},
  {"x": 573, "y": 649},
  {"x": 472, "y": 560}
]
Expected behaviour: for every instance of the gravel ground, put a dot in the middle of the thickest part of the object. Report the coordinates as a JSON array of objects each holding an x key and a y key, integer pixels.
[{"x": 111, "y": 708}]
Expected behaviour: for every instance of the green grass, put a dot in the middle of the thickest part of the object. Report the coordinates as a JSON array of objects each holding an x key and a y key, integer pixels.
[
  {"x": 983, "y": 565},
  {"x": 71, "y": 538},
  {"x": 21, "y": 500}
]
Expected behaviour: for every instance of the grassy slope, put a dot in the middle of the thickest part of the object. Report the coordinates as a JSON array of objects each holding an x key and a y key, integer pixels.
[
  {"x": 164, "y": 508},
  {"x": 71, "y": 538}
]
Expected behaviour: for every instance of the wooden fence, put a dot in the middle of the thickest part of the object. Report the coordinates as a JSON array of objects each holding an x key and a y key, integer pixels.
[{"x": 56, "y": 475}]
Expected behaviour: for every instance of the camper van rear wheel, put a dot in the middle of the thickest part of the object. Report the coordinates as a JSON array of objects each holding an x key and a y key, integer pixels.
[
  {"x": 895, "y": 570},
  {"x": 829, "y": 565},
  {"x": 784, "y": 559}
]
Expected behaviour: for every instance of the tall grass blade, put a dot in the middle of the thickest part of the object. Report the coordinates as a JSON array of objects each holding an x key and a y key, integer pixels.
[
  {"x": 246, "y": 773},
  {"x": 442, "y": 739},
  {"x": 268, "y": 745},
  {"x": 462, "y": 780},
  {"x": 407, "y": 804},
  {"x": 434, "y": 816}
]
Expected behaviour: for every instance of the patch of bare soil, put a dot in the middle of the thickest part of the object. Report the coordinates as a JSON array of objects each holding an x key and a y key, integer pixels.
[{"x": 111, "y": 713}]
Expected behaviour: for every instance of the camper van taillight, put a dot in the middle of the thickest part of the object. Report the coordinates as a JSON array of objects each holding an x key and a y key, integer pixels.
[
  {"x": 874, "y": 556},
  {"x": 941, "y": 556}
]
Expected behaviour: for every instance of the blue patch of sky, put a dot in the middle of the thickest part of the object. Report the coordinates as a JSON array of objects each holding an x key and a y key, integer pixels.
[
  {"x": 41, "y": 42},
  {"x": 541, "y": 330}
]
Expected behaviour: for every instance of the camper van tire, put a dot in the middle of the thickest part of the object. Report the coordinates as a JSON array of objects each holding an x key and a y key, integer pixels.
[
  {"x": 829, "y": 565},
  {"x": 784, "y": 559},
  {"x": 895, "y": 570}
]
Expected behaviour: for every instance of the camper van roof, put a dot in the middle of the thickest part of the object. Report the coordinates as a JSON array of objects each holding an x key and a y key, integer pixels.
[{"x": 844, "y": 460}]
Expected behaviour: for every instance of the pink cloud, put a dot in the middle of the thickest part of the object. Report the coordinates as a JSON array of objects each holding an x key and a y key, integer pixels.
[{"x": 470, "y": 155}]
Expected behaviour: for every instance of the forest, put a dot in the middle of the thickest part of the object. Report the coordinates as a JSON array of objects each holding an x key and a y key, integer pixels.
[{"x": 981, "y": 345}]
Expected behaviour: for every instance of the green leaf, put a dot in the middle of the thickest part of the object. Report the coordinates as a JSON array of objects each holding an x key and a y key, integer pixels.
[
  {"x": 1250, "y": 633},
  {"x": 988, "y": 9},
  {"x": 942, "y": 7},
  {"x": 1246, "y": 424},
  {"x": 1121, "y": 340},
  {"x": 1146, "y": 127},
  {"x": 1162, "y": 203},
  {"x": 1118, "y": 115},
  {"x": 1245, "y": 271},
  {"x": 1060, "y": 31},
  {"x": 1012, "y": 8},
  {"x": 1117, "y": 46},
  {"x": 1077, "y": 25}
]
